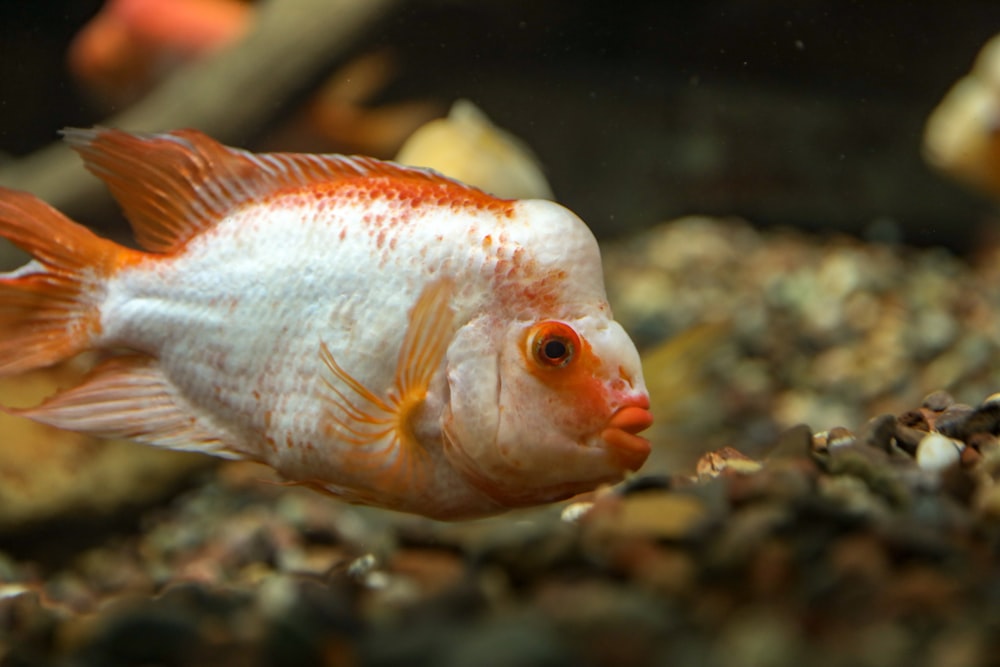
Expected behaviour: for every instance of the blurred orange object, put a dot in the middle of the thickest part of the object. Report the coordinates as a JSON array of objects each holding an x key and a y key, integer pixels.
[{"x": 131, "y": 44}]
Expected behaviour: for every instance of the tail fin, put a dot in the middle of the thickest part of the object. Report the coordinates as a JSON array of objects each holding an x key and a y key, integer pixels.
[{"x": 48, "y": 308}]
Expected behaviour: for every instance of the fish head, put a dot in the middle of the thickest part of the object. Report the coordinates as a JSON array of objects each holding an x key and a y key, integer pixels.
[{"x": 543, "y": 409}]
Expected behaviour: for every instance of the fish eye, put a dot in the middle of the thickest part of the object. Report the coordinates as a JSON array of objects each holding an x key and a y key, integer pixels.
[{"x": 554, "y": 344}]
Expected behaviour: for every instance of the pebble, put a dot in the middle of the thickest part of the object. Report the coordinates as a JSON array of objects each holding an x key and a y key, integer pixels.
[
  {"x": 954, "y": 419},
  {"x": 938, "y": 401},
  {"x": 983, "y": 419},
  {"x": 879, "y": 432},
  {"x": 725, "y": 461},
  {"x": 906, "y": 437},
  {"x": 985, "y": 443},
  {"x": 829, "y": 331},
  {"x": 667, "y": 516},
  {"x": 573, "y": 512},
  {"x": 795, "y": 442},
  {"x": 838, "y": 436},
  {"x": 936, "y": 452},
  {"x": 914, "y": 419}
]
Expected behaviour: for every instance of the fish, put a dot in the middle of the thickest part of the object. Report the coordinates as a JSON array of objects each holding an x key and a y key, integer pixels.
[{"x": 380, "y": 333}]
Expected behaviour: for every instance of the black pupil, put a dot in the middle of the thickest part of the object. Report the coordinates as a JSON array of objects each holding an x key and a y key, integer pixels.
[{"x": 554, "y": 349}]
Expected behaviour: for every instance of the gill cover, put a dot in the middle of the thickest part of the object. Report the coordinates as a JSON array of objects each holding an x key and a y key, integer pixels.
[{"x": 527, "y": 404}]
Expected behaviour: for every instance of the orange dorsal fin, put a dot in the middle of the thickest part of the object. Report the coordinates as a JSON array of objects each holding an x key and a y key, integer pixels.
[{"x": 172, "y": 186}]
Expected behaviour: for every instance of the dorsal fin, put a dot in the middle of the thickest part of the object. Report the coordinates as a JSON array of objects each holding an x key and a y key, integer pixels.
[{"x": 172, "y": 186}]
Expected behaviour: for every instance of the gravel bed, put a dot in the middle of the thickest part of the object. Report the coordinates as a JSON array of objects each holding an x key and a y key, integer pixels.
[{"x": 847, "y": 511}]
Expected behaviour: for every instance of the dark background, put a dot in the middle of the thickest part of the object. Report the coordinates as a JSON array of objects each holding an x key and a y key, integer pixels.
[{"x": 795, "y": 112}]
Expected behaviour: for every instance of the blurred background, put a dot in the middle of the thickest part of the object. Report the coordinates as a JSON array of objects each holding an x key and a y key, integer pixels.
[
  {"x": 774, "y": 240},
  {"x": 793, "y": 112}
]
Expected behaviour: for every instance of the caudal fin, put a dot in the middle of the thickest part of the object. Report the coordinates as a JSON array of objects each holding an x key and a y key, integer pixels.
[{"x": 48, "y": 308}]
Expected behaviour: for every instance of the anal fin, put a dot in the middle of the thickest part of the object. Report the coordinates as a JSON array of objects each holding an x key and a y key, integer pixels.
[{"x": 129, "y": 397}]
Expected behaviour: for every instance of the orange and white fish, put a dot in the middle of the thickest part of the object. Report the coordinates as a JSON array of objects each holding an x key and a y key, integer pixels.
[{"x": 378, "y": 332}]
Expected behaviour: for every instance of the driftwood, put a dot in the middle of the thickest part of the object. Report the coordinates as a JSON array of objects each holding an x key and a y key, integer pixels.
[{"x": 229, "y": 95}]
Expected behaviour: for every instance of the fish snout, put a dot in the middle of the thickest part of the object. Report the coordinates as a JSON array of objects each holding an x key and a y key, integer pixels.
[{"x": 621, "y": 433}]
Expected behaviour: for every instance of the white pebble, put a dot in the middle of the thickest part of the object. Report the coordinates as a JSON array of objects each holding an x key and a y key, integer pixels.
[
  {"x": 362, "y": 566},
  {"x": 937, "y": 452},
  {"x": 12, "y": 590},
  {"x": 575, "y": 511}
]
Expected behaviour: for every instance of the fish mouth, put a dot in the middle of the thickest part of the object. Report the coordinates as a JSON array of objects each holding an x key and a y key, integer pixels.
[{"x": 620, "y": 434}]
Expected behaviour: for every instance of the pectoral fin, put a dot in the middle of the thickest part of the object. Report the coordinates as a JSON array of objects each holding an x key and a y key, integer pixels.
[{"x": 381, "y": 424}]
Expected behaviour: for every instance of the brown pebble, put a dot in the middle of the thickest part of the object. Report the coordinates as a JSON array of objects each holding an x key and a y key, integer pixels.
[
  {"x": 970, "y": 456},
  {"x": 907, "y": 438},
  {"x": 794, "y": 442},
  {"x": 838, "y": 436},
  {"x": 855, "y": 454},
  {"x": 782, "y": 479},
  {"x": 938, "y": 401},
  {"x": 954, "y": 421},
  {"x": 914, "y": 419},
  {"x": 958, "y": 482},
  {"x": 879, "y": 431},
  {"x": 984, "y": 443},
  {"x": 984, "y": 419},
  {"x": 820, "y": 442},
  {"x": 726, "y": 460}
]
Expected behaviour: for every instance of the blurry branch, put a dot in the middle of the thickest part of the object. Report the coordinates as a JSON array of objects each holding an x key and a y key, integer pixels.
[{"x": 228, "y": 95}]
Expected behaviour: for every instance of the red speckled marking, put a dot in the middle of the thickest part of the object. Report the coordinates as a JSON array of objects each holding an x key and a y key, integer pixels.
[
  {"x": 410, "y": 191},
  {"x": 518, "y": 283}
]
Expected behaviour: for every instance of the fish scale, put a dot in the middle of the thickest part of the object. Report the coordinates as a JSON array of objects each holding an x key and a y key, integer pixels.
[{"x": 376, "y": 332}]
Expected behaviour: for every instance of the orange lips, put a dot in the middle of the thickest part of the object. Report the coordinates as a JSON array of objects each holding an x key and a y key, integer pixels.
[{"x": 620, "y": 434}]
